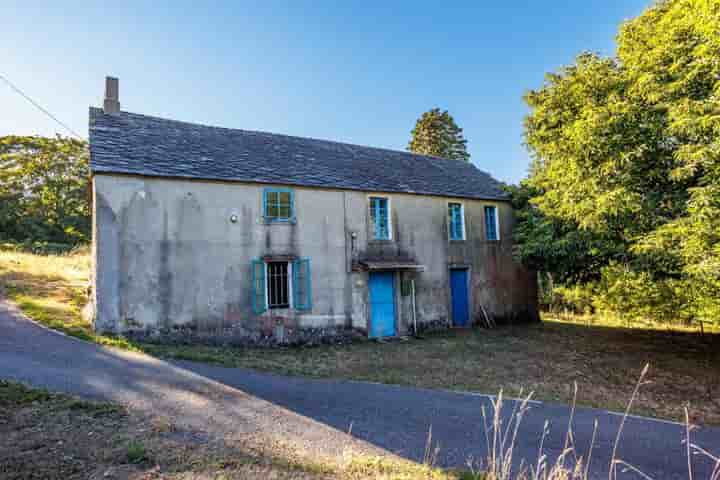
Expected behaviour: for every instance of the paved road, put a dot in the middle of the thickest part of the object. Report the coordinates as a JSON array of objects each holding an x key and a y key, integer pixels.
[{"x": 314, "y": 415}]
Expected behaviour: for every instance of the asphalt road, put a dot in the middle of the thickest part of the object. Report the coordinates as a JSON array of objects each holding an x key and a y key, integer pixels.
[{"x": 316, "y": 415}]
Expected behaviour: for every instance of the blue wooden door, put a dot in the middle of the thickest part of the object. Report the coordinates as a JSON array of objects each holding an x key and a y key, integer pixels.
[
  {"x": 459, "y": 294},
  {"x": 382, "y": 304}
]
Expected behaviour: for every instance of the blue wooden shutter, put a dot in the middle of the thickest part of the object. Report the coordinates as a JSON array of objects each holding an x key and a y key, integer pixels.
[
  {"x": 292, "y": 205},
  {"x": 259, "y": 303},
  {"x": 382, "y": 228},
  {"x": 266, "y": 192},
  {"x": 302, "y": 284},
  {"x": 458, "y": 222},
  {"x": 490, "y": 223}
]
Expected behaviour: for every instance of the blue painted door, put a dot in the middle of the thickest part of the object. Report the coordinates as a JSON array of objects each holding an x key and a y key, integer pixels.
[
  {"x": 382, "y": 304},
  {"x": 459, "y": 294}
]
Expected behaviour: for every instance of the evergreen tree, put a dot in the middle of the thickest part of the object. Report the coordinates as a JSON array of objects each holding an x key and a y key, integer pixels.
[{"x": 437, "y": 134}]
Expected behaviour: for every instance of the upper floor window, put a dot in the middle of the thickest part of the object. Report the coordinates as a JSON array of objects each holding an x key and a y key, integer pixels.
[
  {"x": 278, "y": 204},
  {"x": 380, "y": 218},
  {"x": 456, "y": 221},
  {"x": 492, "y": 224}
]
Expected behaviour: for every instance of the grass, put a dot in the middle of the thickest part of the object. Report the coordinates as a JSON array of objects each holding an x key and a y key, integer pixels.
[
  {"x": 54, "y": 436},
  {"x": 600, "y": 320},
  {"x": 136, "y": 452},
  {"x": 52, "y": 290},
  {"x": 546, "y": 358}
]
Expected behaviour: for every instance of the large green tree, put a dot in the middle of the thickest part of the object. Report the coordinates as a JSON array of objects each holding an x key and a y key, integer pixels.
[
  {"x": 624, "y": 187},
  {"x": 437, "y": 134},
  {"x": 44, "y": 193}
]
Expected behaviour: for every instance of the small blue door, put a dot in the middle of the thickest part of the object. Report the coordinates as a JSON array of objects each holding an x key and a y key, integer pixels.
[
  {"x": 459, "y": 294},
  {"x": 382, "y": 304}
]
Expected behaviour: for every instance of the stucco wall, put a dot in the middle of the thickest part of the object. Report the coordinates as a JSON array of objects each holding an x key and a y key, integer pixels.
[{"x": 167, "y": 257}]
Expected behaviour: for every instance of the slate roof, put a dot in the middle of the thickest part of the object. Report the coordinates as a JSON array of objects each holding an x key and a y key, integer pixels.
[{"x": 130, "y": 143}]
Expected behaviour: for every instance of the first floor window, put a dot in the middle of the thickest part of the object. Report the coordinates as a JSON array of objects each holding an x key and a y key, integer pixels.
[
  {"x": 278, "y": 288},
  {"x": 281, "y": 285},
  {"x": 491, "y": 223},
  {"x": 456, "y": 221},
  {"x": 380, "y": 218}
]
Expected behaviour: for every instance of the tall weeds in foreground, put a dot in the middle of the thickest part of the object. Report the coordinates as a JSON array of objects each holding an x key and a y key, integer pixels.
[{"x": 501, "y": 439}]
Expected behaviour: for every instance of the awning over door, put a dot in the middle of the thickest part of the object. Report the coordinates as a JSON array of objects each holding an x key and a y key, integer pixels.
[{"x": 376, "y": 265}]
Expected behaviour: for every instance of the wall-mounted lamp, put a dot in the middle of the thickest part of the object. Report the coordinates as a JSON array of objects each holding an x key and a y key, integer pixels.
[{"x": 233, "y": 218}]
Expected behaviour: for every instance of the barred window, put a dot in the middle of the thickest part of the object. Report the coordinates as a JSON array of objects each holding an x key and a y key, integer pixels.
[{"x": 278, "y": 288}]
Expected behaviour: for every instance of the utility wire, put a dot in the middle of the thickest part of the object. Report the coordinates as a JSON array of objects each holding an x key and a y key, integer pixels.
[{"x": 38, "y": 106}]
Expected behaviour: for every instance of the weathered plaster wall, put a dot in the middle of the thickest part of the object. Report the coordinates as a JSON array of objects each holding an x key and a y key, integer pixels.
[{"x": 167, "y": 257}]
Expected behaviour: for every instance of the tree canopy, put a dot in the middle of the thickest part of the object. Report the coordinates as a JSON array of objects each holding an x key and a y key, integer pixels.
[
  {"x": 437, "y": 134},
  {"x": 623, "y": 195},
  {"x": 44, "y": 190}
]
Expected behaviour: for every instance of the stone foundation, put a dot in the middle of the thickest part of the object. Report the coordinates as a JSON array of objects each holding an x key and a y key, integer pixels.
[{"x": 231, "y": 336}]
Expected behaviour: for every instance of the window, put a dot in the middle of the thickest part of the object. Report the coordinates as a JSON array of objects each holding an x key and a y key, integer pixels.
[
  {"x": 278, "y": 287},
  {"x": 380, "y": 218},
  {"x": 456, "y": 221},
  {"x": 278, "y": 204},
  {"x": 274, "y": 284},
  {"x": 492, "y": 225}
]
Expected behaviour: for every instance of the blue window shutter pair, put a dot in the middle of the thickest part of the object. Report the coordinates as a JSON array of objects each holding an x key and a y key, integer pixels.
[
  {"x": 491, "y": 223},
  {"x": 379, "y": 213},
  {"x": 455, "y": 221},
  {"x": 302, "y": 285}
]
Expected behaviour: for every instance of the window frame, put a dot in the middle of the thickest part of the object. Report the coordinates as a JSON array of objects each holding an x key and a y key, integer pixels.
[
  {"x": 372, "y": 225},
  {"x": 463, "y": 234},
  {"x": 278, "y": 190},
  {"x": 497, "y": 223}
]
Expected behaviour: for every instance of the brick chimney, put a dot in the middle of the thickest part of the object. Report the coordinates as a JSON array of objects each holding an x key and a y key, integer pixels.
[{"x": 112, "y": 95}]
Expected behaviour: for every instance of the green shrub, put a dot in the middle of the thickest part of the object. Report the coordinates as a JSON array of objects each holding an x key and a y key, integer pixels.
[{"x": 136, "y": 452}]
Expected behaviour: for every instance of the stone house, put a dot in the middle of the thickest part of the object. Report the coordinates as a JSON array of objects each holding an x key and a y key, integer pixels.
[{"x": 242, "y": 236}]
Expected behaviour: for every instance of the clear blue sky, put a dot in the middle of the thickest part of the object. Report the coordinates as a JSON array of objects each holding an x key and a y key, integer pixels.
[{"x": 358, "y": 72}]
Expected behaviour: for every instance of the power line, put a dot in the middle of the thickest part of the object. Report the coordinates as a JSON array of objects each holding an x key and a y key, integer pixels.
[{"x": 38, "y": 106}]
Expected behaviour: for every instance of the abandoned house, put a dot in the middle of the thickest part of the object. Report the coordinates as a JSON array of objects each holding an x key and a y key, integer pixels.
[{"x": 246, "y": 236}]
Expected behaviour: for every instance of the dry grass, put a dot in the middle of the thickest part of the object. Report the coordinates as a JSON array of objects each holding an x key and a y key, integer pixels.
[
  {"x": 571, "y": 463},
  {"x": 50, "y": 436},
  {"x": 546, "y": 358},
  {"x": 52, "y": 290},
  {"x": 603, "y": 320}
]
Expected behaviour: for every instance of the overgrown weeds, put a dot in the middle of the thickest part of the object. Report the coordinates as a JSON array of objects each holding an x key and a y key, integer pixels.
[{"x": 501, "y": 439}]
